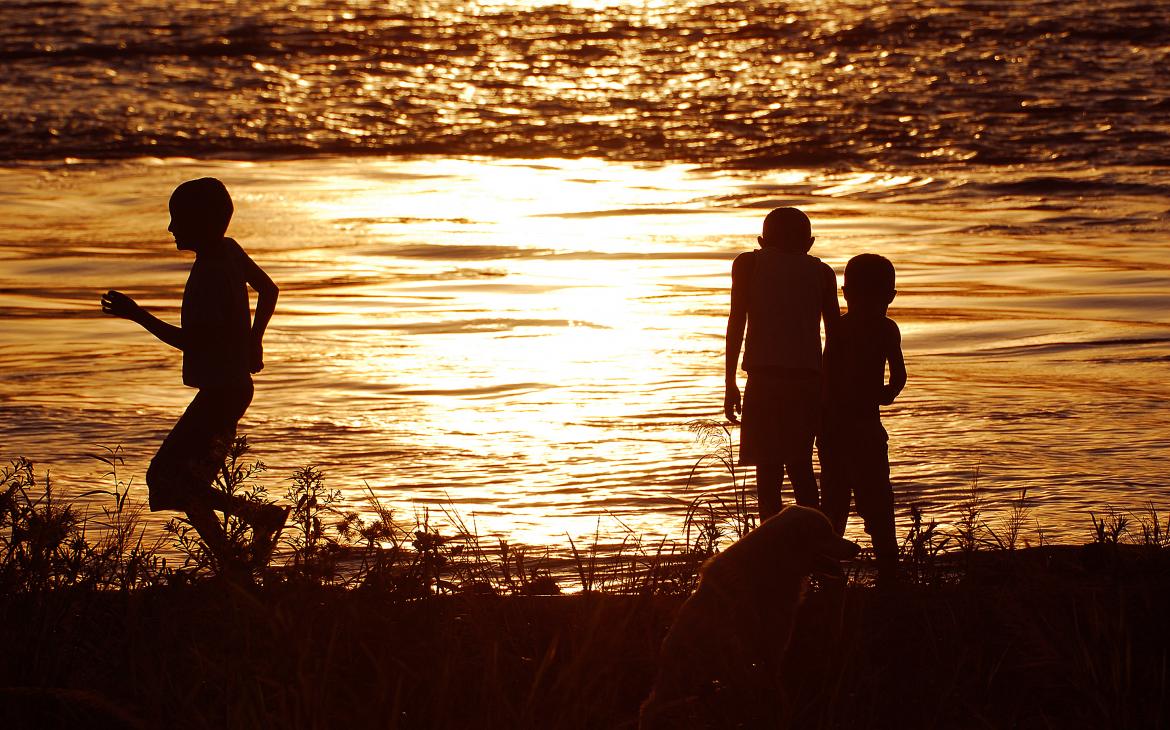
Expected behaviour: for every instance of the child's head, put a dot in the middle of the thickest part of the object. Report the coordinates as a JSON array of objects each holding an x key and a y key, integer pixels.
[
  {"x": 869, "y": 283},
  {"x": 200, "y": 212},
  {"x": 788, "y": 229}
]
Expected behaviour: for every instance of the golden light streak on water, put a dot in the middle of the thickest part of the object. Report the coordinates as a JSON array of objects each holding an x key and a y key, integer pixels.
[{"x": 525, "y": 341}]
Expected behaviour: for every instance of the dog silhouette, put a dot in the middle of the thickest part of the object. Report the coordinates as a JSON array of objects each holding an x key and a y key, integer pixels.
[{"x": 719, "y": 663}]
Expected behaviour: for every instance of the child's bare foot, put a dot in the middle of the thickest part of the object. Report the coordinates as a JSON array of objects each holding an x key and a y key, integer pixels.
[{"x": 266, "y": 529}]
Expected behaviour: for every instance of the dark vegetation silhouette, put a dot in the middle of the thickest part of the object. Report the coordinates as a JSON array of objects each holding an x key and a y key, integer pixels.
[
  {"x": 222, "y": 346},
  {"x": 376, "y": 623},
  {"x": 779, "y": 295},
  {"x": 368, "y": 620}
]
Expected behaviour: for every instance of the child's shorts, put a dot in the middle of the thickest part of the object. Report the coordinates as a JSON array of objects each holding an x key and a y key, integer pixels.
[
  {"x": 186, "y": 463},
  {"x": 855, "y": 463},
  {"x": 780, "y": 416}
]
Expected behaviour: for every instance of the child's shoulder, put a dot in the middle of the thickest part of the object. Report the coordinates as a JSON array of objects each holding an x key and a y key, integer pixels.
[
  {"x": 748, "y": 259},
  {"x": 744, "y": 264},
  {"x": 890, "y": 334},
  {"x": 824, "y": 268},
  {"x": 235, "y": 252},
  {"x": 869, "y": 326}
]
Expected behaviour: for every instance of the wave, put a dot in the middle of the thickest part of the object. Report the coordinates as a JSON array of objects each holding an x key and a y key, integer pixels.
[
  {"x": 1049, "y": 185},
  {"x": 619, "y": 212},
  {"x": 1050, "y": 348},
  {"x": 448, "y": 327},
  {"x": 440, "y": 252},
  {"x": 484, "y": 392}
]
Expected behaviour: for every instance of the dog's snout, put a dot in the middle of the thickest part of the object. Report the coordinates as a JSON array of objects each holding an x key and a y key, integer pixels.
[
  {"x": 847, "y": 549},
  {"x": 827, "y": 561}
]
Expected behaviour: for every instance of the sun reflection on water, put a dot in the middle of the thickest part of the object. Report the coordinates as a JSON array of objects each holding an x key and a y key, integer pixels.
[{"x": 525, "y": 341}]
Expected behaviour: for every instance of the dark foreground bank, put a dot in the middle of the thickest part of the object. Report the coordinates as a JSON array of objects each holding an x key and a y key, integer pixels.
[{"x": 1056, "y": 637}]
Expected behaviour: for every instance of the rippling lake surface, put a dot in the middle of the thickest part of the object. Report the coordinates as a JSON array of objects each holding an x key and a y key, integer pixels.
[
  {"x": 753, "y": 83},
  {"x": 503, "y": 234}
]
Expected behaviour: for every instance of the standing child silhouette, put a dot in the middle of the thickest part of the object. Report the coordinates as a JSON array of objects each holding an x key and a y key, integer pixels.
[
  {"x": 780, "y": 294},
  {"x": 221, "y": 349},
  {"x": 853, "y": 444}
]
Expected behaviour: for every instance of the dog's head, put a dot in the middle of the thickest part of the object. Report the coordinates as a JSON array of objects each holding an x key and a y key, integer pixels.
[{"x": 808, "y": 537}]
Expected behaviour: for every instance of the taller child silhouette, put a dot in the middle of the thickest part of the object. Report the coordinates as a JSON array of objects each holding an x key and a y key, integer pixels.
[{"x": 780, "y": 294}]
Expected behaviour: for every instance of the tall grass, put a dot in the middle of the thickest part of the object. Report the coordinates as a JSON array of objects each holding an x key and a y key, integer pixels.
[
  {"x": 373, "y": 619},
  {"x": 127, "y": 559},
  {"x": 49, "y": 543},
  {"x": 972, "y": 531},
  {"x": 714, "y": 512},
  {"x": 1155, "y": 531},
  {"x": 46, "y": 543}
]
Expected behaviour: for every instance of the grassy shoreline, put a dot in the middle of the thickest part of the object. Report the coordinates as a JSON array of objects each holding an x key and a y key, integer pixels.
[
  {"x": 372, "y": 624},
  {"x": 1061, "y": 637}
]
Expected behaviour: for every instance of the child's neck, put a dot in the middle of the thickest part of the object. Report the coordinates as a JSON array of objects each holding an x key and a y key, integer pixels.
[{"x": 210, "y": 247}]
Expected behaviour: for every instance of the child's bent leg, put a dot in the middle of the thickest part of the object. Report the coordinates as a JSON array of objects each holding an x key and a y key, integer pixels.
[
  {"x": 210, "y": 530},
  {"x": 246, "y": 510},
  {"x": 769, "y": 478}
]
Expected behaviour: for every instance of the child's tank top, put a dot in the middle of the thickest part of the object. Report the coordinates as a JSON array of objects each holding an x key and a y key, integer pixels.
[{"x": 784, "y": 311}]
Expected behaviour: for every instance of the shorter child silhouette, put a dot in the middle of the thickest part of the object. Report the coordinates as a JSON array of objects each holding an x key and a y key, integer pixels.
[
  {"x": 221, "y": 348},
  {"x": 853, "y": 445}
]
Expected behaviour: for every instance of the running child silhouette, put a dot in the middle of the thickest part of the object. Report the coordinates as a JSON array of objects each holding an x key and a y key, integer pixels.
[
  {"x": 853, "y": 444},
  {"x": 222, "y": 347},
  {"x": 781, "y": 295}
]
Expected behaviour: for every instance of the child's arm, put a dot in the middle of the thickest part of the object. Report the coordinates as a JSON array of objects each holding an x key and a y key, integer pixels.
[
  {"x": 120, "y": 305},
  {"x": 736, "y": 323},
  {"x": 830, "y": 306},
  {"x": 897, "y": 366},
  {"x": 266, "y": 294}
]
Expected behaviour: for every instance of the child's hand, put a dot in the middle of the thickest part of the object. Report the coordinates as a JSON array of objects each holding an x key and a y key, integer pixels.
[
  {"x": 887, "y": 395},
  {"x": 120, "y": 305},
  {"x": 256, "y": 363},
  {"x": 731, "y": 403}
]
